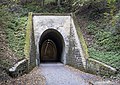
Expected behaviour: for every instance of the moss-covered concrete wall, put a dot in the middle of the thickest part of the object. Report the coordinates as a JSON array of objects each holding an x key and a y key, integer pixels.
[
  {"x": 81, "y": 38},
  {"x": 99, "y": 68},
  {"x": 74, "y": 57},
  {"x": 78, "y": 52},
  {"x": 30, "y": 49}
]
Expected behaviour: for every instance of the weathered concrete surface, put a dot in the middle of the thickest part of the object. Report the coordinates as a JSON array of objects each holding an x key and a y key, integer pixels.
[
  {"x": 72, "y": 52},
  {"x": 30, "y": 49},
  {"x": 59, "y": 74},
  {"x": 59, "y": 23},
  {"x": 99, "y": 68},
  {"x": 19, "y": 68}
]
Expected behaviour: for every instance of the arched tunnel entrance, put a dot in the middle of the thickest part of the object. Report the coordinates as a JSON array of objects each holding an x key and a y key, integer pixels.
[{"x": 51, "y": 46}]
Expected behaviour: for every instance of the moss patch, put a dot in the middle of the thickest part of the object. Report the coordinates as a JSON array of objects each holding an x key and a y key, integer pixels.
[
  {"x": 28, "y": 34},
  {"x": 80, "y": 35}
]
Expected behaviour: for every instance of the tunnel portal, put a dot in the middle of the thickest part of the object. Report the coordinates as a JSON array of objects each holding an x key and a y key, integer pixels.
[{"x": 51, "y": 46}]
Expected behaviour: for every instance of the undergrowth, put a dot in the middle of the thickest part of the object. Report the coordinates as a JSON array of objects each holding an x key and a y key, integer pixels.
[
  {"x": 106, "y": 46},
  {"x": 14, "y": 20},
  {"x": 109, "y": 58}
]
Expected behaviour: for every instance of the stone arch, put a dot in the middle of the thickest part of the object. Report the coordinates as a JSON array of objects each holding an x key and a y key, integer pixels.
[{"x": 55, "y": 41}]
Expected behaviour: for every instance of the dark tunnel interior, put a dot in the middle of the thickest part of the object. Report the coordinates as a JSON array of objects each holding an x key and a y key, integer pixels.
[{"x": 58, "y": 44}]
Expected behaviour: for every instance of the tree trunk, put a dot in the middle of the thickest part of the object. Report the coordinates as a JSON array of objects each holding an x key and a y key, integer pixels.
[
  {"x": 59, "y": 3},
  {"x": 42, "y": 3}
]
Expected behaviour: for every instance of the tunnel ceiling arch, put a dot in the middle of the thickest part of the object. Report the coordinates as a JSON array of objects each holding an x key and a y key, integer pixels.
[{"x": 57, "y": 44}]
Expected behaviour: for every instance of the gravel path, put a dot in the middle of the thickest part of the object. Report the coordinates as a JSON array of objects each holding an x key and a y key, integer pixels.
[{"x": 58, "y": 74}]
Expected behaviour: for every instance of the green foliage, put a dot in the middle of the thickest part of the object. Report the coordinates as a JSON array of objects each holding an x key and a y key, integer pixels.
[
  {"x": 14, "y": 27},
  {"x": 49, "y": 1},
  {"x": 106, "y": 36},
  {"x": 31, "y": 7},
  {"x": 112, "y": 7},
  {"x": 5, "y": 63},
  {"x": 79, "y": 3},
  {"x": 111, "y": 1},
  {"x": 108, "y": 42},
  {"x": 16, "y": 35},
  {"x": 110, "y": 58},
  {"x": 106, "y": 46},
  {"x": 92, "y": 28},
  {"x": 14, "y": 20},
  {"x": 117, "y": 23}
]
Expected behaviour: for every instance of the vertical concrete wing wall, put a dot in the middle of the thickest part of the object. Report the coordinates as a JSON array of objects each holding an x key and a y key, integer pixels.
[
  {"x": 30, "y": 49},
  {"x": 77, "y": 54},
  {"x": 78, "y": 48}
]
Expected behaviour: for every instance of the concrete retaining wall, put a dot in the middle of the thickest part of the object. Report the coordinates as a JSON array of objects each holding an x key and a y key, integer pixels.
[
  {"x": 30, "y": 48},
  {"x": 19, "y": 68},
  {"x": 99, "y": 68},
  {"x": 76, "y": 59}
]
